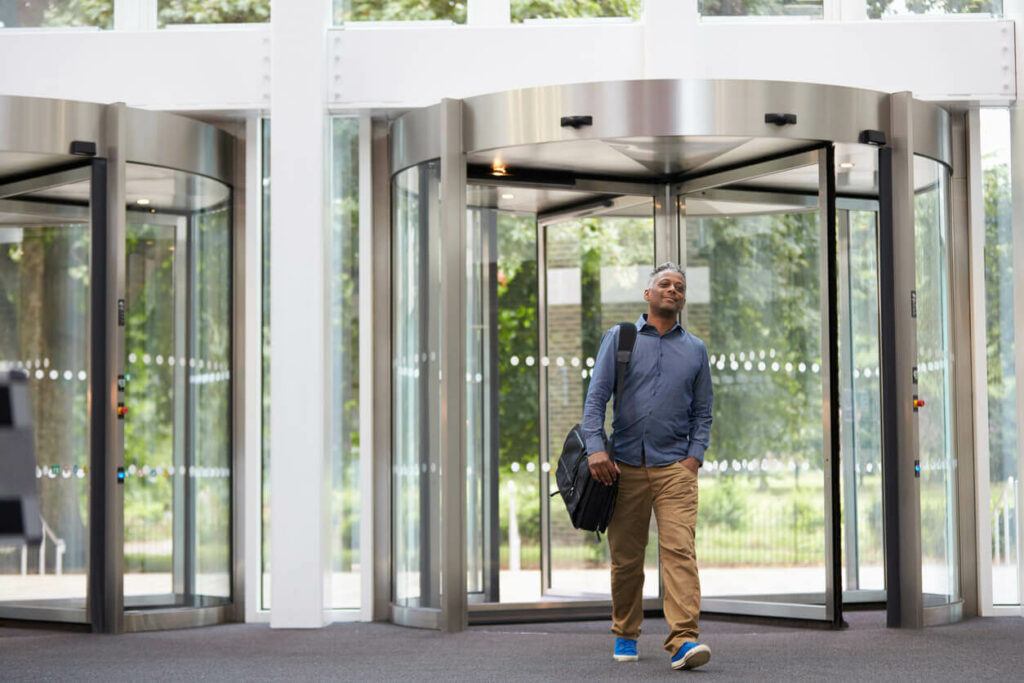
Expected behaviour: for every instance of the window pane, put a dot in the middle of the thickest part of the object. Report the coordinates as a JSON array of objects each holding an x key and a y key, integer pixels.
[
  {"x": 344, "y": 364},
  {"x": 399, "y": 10},
  {"x": 558, "y": 9},
  {"x": 265, "y": 347},
  {"x": 880, "y": 8},
  {"x": 33, "y": 13},
  {"x": 212, "y": 12},
  {"x": 1002, "y": 388},
  {"x": 764, "y": 8}
]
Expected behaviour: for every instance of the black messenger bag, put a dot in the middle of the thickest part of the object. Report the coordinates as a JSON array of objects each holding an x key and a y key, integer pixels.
[{"x": 589, "y": 502}]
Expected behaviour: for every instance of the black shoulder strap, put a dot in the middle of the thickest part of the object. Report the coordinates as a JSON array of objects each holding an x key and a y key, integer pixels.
[{"x": 627, "y": 339}]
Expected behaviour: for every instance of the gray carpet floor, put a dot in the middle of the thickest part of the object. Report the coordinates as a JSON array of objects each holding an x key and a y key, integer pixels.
[{"x": 976, "y": 650}]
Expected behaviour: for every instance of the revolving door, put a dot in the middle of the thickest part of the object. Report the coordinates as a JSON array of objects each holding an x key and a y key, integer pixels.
[
  {"x": 116, "y": 302},
  {"x": 806, "y": 217}
]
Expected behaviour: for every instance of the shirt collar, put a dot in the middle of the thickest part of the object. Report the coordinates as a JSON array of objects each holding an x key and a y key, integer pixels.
[{"x": 642, "y": 324}]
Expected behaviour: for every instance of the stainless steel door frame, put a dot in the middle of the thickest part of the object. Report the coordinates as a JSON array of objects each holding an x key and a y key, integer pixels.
[{"x": 898, "y": 340}]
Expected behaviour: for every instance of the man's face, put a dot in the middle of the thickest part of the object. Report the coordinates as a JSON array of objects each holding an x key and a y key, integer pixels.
[{"x": 667, "y": 295}]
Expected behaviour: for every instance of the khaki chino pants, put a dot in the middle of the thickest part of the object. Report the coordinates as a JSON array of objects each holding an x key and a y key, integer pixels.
[{"x": 671, "y": 491}]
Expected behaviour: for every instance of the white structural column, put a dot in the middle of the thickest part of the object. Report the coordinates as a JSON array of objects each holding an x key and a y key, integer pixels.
[{"x": 298, "y": 274}]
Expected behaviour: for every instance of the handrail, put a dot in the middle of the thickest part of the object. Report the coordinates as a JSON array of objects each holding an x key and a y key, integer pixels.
[{"x": 59, "y": 545}]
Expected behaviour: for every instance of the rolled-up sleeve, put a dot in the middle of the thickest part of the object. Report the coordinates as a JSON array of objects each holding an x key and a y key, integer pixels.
[
  {"x": 602, "y": 380},
  {"x": 700, "y": 410}
]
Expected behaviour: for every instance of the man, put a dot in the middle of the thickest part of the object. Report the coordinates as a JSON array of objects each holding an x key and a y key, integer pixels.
[{"x": 661, "y": 428}]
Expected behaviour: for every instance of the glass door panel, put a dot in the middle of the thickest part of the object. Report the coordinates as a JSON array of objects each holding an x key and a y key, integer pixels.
[
  {"x": 595, "y": 272},
  {"x": 755, "y": 268},
  {"x": 178, "y": 450},
  {"x": 45, "y": 333},
  {"x": 504, "y": 479},
  {"x": 939, "y": 546},
  {"x": 860, "y": 401}
]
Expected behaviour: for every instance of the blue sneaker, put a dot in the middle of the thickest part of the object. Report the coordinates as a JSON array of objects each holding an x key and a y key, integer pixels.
[
  {"x": 690, "y": 656},
  {"x": 625, "y": 650}
]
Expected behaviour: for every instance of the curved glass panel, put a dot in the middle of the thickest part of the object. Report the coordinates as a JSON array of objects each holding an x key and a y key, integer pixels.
[
  {"x": 177, "y": 492},
  {"x": 45, "y": 331},
  {"x": 939, "y": 550},
  {"x": 416, "y": 398}
]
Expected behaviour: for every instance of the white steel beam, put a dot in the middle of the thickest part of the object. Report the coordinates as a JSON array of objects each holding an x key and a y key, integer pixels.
[
  {"x": 391, "y": 65},
  {"x": 226, "y": 68}
]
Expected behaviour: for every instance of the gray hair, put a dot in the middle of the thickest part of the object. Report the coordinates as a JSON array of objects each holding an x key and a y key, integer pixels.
[{"x": 667, "y": 266}]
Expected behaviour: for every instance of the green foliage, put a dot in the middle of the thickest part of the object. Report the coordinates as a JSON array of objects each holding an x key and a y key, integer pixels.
[
  {"x": 80, "y": 13},
  {"x": 999, "y": 294},
  {"x": 876, "y": 8},
  {"x": 764, "y": 296},
  {"x": 213, "y": 11},
  {"x": 724, "y": 504},
  {"x": 517, "y": 336},
  {"x": 566, "y": 9},
  {"x": 101, "y": 12},
  {"x": 746, "y": 8},
  {"x": 399, "y": 10}
]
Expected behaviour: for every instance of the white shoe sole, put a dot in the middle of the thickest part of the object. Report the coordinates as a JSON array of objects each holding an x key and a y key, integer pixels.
[
  {"x": 626, "y": 658},
  {"x": 698, "y": 656}
]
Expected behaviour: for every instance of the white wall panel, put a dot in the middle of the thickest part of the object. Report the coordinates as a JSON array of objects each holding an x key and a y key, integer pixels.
[{"x": 200, "y": 68}]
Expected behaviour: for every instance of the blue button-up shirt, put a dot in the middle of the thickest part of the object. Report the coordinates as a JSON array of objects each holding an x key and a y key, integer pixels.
[{"x": 664, "y": 412}]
